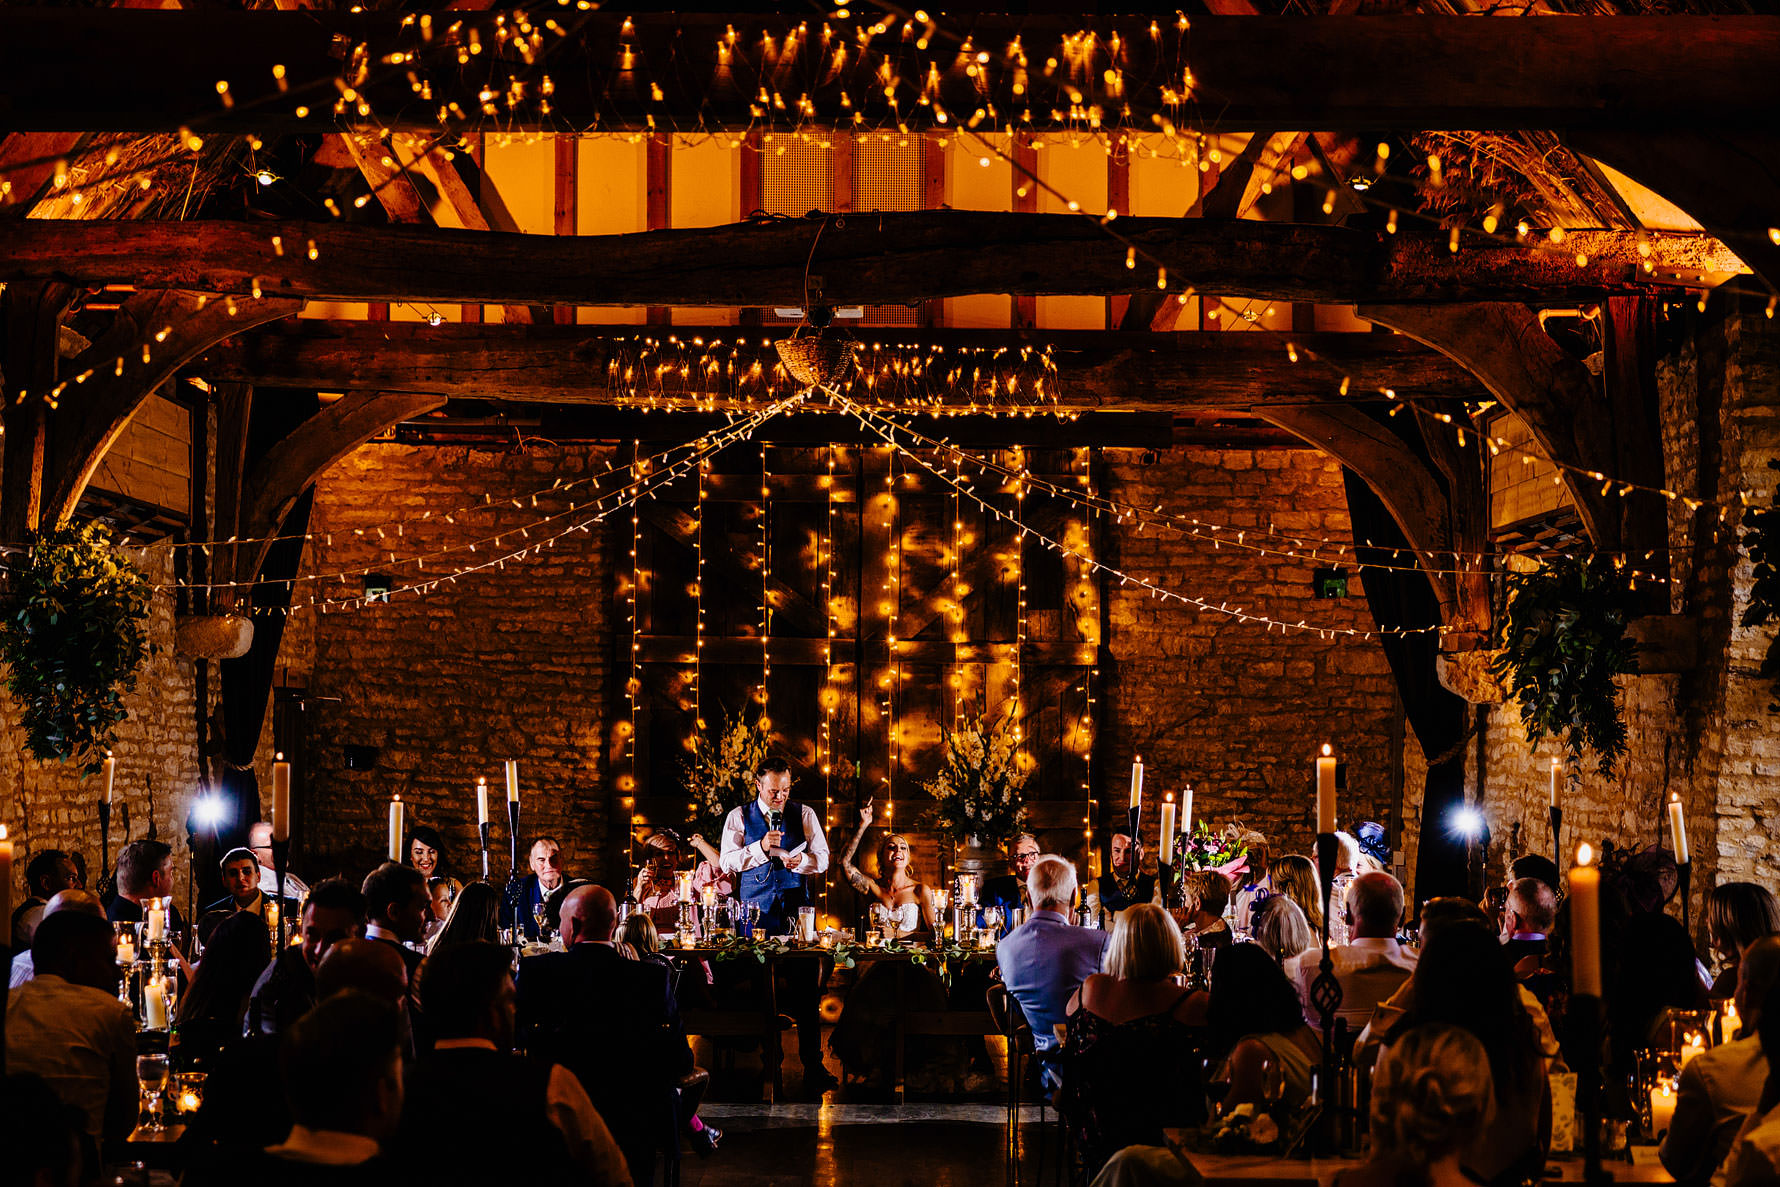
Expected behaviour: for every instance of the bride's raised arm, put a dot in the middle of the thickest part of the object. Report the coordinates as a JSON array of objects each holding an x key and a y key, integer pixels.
[{"x": 856, "y": 877}]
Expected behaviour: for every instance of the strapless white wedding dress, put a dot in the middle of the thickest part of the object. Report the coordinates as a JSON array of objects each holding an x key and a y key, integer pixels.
[{"x": 907, "y": 916}]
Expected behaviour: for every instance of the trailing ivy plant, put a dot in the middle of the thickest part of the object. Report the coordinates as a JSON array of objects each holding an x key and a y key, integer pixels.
[
  {"x": 1761, "y": 539},
  {"x": 1563, "y": 644},
  {"x": 72, "y": 636}
]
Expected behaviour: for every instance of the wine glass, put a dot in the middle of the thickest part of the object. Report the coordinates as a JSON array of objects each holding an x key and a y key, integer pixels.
[
  {"x": 538, "y": 911},
  {"x": 151, "y": 1079}
]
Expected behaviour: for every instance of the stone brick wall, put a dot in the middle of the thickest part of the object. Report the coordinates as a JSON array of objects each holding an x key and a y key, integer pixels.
[
  {"x": 50, "y": 806},
  {"x": 1239, "y": 709},
  {"x": 509, "y": 662}
]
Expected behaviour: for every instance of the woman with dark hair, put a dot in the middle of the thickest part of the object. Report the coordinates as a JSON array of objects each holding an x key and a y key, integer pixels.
[
  {"x": 210, "y": 1013},
  {"x": 1737, "y": 915},
  {"x": 1464, "y": 979},
  {"x": 474, "y": 917},
  {"x": 1256, "y": 1021},
  {"x": 426, "y": 852},
  {"x": 1650, "y": 972}
]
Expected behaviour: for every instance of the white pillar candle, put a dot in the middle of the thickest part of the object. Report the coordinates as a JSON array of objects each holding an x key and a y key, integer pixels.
[
  {"x": 126, "y": 951},
  {"x": 1678, "y": 829},
  {"x": 1585, "y": 924},
  {"x": 1693, "y": 1045},
  {"x": 1325, "y": 790},
  {"x": 110, "y": 776},
  {"x": 1662, "y": 1106},
  {"x": 1556, "y": 766},
  {"x": 1137, "y": 782},
  {"x": 1731, "y": 1023},
  {"x": 280, "y": 798},
  {"x": 5, "y": 889},
  {"x": 154, "y": 923},
  {"x": 154, "y": 1005},
  {"x": 512, "y": 781},
  {"x": 1186, "y": 811},
  {"x": 482, "y": 800},
  {"x": 395, "y": 829},
  {"x": 1166, "y": 853}
]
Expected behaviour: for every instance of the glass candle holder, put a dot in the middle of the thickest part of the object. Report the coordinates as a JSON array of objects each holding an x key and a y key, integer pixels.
[{"x": 188, "y": 1092}]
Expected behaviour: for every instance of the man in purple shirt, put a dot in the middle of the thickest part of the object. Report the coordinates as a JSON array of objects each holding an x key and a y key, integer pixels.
[{"x": 1045, "y": 959}]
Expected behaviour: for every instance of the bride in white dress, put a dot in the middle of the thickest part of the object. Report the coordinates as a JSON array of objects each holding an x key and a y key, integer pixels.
[{"x": 899, "y": 893}]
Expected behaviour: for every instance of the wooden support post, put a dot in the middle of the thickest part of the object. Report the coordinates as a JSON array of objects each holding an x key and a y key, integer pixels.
[
  {"x": 568, "y": 204},
  {"x": 1025, "y": 201},
  {"x": 658, "y": 184},
  {"x": 1118, "y": 198},
  {"x": 33, "y": 314}
]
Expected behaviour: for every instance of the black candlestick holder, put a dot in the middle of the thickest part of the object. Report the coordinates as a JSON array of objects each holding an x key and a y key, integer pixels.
[
  {"x": 1557, "y": 832},
  {"x": 513, "y": 835},
  {"x": 280, "y": 862},
  {"x": 1585, "y": 1020},
  {"x": 513, "y": 896},
  {"x": 1325, "y": 994},
  {"x": 482, "y": 833},
  {"x": 1683, "y": 879},
  {"x": 104, "y": 839}
]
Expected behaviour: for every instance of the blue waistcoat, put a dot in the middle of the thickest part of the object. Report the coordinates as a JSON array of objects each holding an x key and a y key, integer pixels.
[{"x": 765, "y": 884}]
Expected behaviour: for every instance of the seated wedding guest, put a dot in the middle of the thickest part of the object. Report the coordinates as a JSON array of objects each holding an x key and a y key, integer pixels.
[
  {"x": 1372, "y": 965},
  {"x": 442, "y": 895},
  {"x": 1046, "y": 959},
  {"x": 709, "y": 871},
  {"x": 1463, "y": 979},
  {"x": 285, "y": 991},
  {"x": 426, "y": 852},
  {"x": 1650, "y": 971},
  {"x": 23, "y": 966},
  {"x": 241, "y": 881},
  {"x": 1008, "y": 891},
  {"x": 472, "y": 1085},
  {"x": 1737, "y": 915},
  {"x": 1719, "y": 1090},
  {"x": 144, "y": 871},
  {"x": 395, "y": 906},
  {"x": 1124, "y": 881},
  {"x": 1433, "y": 1101},
  {"x": 657, "y": 888},
  {"x": 211, "y": 1009},
  {"x": 1347, "y": 868},
  {"x": 67, "y": 1025},
  {"x": 1280, "y": 929},
  {"x": 46, "y": 875},
  {"x": 472, "y": 919},
  {"x": 545, "y": 880},
  {"x": 1754, "y": 1157},
  {"x": 1527, "y": 919},
  {"x": 1208, "y": 894},
  {"x": 259, "y": 839},
  {"x": 1294, "y": 876},
  {"x": 611, "y": 1021},
  {"x": 1375, "y": 850},
  {"x": 342, "y": 1070},
  {"x": 896, "y": 889},
  {"x": 638, "y": 934},
  {"x": 1255, "y": 883},
  {"x": 1131, "y": 1060},
  {"x": 366, "y": 966},
  {"x": 1256, "y": 1029}
]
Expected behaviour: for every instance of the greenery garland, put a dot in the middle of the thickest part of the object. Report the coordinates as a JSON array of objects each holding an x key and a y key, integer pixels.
[
  {"x": 1761, "y": 539},
  {"x": 1563, "y": 645},
  {"x": 72, "y": 635}
]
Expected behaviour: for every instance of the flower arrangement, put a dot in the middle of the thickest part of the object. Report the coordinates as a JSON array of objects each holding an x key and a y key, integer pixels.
[
  {"x": 1244, "y": 1129},
  {"x": 977, "y": 790},
  {"x": 720, "y": 774},
  {"x": 1202, "y": 849}
]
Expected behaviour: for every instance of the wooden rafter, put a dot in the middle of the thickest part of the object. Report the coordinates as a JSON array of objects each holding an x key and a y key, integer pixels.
[
  {"x": 888, "y": 258},
  {"x": 122, "y": 70},
  {"x": 572, "y": 364}
]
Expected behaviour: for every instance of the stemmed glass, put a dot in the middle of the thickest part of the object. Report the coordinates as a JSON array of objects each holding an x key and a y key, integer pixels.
[
  {"x": 538, "y": 911},
  {"x": 151, "y": 1078}
]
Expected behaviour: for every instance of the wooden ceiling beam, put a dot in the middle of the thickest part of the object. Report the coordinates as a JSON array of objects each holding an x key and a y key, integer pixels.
[
  {"x": 1134, "y": 372},
  {"x": 898, "y": 258},
  {"x": 77, "y": 69}
]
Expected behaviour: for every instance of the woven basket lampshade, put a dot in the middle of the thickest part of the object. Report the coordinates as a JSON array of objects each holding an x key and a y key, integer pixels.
[
  {"x": 816, "y": 361},
  {"x": 213, "y": 636}
]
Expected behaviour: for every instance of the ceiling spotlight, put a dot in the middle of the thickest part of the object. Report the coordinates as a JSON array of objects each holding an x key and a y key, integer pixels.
[
  {"x": 435, "y": 319},
  {"x": 208, "y": 812},
  {"x": 1467, "y": 823}
]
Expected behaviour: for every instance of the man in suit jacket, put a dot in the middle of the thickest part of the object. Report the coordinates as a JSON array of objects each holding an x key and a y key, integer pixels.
[
  {"x": 613, "y": 1022},
  {"x": 1046, "y": 959},
  {"x": 1008, "y": 891},
  {"x": 396, "y": 903}
]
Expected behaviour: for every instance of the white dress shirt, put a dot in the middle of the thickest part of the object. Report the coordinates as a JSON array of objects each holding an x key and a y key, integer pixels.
[
  {"x": 738, "y": 855},
  {"x": 79, "y": 1039},
  {"x": 294, "y": 887},
  {"x": 1370, "y": 970}
]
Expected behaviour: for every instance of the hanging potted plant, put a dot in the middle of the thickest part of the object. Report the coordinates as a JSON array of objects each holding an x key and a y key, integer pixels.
[
  {"x": 1564, "y": 644},
  {"x": 72, "y": 635}
]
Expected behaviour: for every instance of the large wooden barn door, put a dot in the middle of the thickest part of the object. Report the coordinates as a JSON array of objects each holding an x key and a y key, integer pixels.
[{"x": 865, "y": 605}]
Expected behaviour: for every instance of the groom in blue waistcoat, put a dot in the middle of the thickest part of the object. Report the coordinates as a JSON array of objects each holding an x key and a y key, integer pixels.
[{"x": 771, "y": 846}]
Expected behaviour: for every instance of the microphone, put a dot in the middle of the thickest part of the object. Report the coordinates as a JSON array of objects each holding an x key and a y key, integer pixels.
[{"x": 774, "y": 820}]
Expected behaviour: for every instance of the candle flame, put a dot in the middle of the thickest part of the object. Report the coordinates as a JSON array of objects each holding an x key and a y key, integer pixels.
[
  {"x": 1169, "y": 796},
  {"x": 2, "y": 832},
  {"x": 396, "y": 799},
  {"x": 278, "y": 756},
  {"x": 1327, "y": 750},
  {"x": 1138, "y": 759},
  {"x": 1556, "y": 763},
  {"x": 1674, "y": 797},
  {"x": 1585, "y": 854}
]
